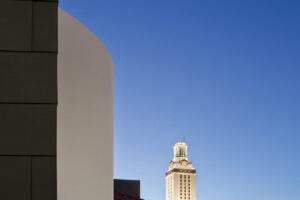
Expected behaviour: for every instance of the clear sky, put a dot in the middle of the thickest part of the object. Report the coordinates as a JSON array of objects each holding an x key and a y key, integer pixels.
[{"x": 224, "y": 74}]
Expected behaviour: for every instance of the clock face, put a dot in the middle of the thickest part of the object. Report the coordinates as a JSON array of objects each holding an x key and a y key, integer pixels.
[
  {"x": 171, "y": 164},
  {"x": 184, "y": 163}
]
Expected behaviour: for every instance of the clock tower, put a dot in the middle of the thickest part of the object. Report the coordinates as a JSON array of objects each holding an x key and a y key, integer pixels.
[{"x": 181, "y": 175}]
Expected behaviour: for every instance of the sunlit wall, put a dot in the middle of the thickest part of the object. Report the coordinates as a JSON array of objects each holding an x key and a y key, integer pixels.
[{"x": 85, "y": 114}]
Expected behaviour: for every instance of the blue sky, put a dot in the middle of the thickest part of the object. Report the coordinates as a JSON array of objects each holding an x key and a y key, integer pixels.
[{"x": 223, "y": 74}]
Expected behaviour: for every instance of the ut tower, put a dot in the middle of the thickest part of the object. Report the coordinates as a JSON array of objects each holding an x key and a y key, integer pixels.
[{"x": 181, "y": 175}]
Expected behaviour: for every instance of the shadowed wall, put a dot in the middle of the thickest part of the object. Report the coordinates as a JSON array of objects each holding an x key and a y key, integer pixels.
[{"x": 28, "y": 99}]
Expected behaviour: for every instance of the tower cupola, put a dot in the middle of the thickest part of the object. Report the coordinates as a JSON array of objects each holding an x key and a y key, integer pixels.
[{"x": 180, "y": 151}]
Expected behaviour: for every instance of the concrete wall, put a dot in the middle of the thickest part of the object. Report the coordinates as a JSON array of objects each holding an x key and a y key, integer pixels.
[{"x": 85, "y": 114}]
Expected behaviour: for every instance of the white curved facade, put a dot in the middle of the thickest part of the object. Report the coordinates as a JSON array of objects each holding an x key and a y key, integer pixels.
[{"x": 85, "y": 114}]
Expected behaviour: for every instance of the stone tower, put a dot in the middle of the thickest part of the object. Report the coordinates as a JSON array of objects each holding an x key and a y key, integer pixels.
[{"x": 181, "y": 175}]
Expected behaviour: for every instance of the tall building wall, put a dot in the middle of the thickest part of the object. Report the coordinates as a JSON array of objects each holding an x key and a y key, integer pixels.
[
  {"x": 85, "y": 114},
  {"x": 32, "y": 131},
  {"x": 28, "y": 99}
]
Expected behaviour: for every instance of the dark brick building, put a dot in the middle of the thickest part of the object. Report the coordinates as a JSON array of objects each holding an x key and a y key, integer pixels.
[{"x": 126, "y": 189}]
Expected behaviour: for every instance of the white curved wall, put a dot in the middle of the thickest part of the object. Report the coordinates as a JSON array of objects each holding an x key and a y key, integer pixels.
[{"x": 85, "y": 114}]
